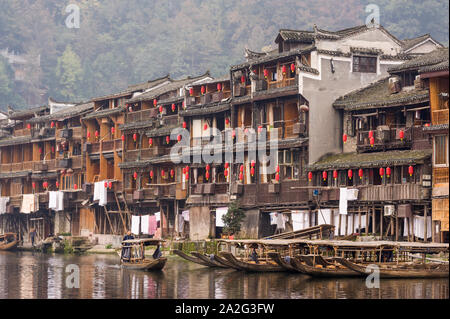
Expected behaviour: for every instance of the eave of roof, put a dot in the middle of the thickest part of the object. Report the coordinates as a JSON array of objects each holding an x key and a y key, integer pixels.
[
  {"x": 368, "y": 160},
  {"x": 104, "y": 113}
]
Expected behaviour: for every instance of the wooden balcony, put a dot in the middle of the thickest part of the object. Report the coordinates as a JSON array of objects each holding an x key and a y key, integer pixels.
[
  {"x": 220, "y": 95},
  {"x": 44, "y": 132},
  {"x": 107, "y": 146},
  {"x": 439, "y": 117},
  {"x": 155, "y": 192},
  {"x": 140, "y": 116},
  {"x": 281, "y": 83},
  {"x": 210, "y": 189},
  {"x": 146, "y": 153},
  {"x": 16, "y": 167},
  {"x": 77, "y": 161},
  {"x": 386, "y": 138},
  {"x": 22, "y": 132},
  {"x": 104, "y": 146},
  {"x": 47, "y": 165}
]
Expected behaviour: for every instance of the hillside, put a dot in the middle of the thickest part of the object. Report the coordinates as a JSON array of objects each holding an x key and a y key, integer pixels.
[{"x": 125, "y": 42}]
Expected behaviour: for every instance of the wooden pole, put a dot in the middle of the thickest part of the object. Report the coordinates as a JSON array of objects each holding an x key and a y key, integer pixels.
[
  {"x": 367, "y": 220},
  {"x": 381, "y": 223},
  {"x": 374, "y": 228},
  {"x": 359, "y": 217},
  {"x": 425, "y": 224}
]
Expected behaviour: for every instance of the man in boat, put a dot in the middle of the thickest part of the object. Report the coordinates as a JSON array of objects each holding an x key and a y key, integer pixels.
[
  {"x": 157, "y": 254},
  {"x": 254, "y": 256},
  {"x": 32, "y": 236},
  {"x": 126, "y": 251}
]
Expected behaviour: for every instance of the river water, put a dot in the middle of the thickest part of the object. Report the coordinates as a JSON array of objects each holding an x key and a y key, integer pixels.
[{"x": 36, "y": 275}]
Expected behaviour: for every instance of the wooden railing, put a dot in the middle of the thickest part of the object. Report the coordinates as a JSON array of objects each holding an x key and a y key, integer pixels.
[
  {"x": 281, "y": 83},
  {"x": 77, "y": 161},
  {"x": 139, "y": 116},
  {"x": 107, "y": 146},
  {"x": 440, "y": 117},
  {"x": 22, "y": 132},
  {"x": 146, "y": 153},
  {"x": 391, "y": 192},
  {"x": 16, "y": 167},
  {"x": 440, "y": 175},
  {"x": 118, "y": 144}
]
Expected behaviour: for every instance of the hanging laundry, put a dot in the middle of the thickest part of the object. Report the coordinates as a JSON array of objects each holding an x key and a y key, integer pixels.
[
  {"x": 419, "y": 227},
  {"x": 324, "y": 217},
  {"x": 100, "y": 193},
  {"x": 180, "y": 223},
  {"x": 3, "y": 201},
  {"x": 152, "y": 225},
  {"x": 273, "y": 218},
  {"x": 300, "y": 220},
  {"x": 135, "y": 221},
  {"x": 145, "y": 224},
  {"x": 30, "y": 203},
  {"x": 280, "y": 221},
  {"x": 220, "y": 212},
  {"x": 343, "y": 201},
  {"x": 185, "y": 215},
  {"x": 158, "y": 216},
  {"x": 352, "y": 194},
  {"x": 60, "y": 201}
]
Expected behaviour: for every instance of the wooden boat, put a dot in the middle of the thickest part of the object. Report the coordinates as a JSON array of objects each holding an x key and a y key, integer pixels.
[
  {"x": 312, "y": 260},
  {"x": 210, "y": 260},
  {"x": 320, "y": 271},
  {"x": 262, "y": 266},
  {"x": 189, "y": 258},
  {"x": 8, "y": 241},
  {"x": 225, "y": 262},
  {"x": 401, "y": 270},
  {"x": 276, "y": 257},
  {"x": 136, "y": 259}
]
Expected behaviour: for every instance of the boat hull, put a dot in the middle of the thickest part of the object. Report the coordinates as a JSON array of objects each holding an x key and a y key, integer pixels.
[
  {"x": 9, "y": 246},
  {"x": 210, "y": 262},
  {"x": 250, "y": 267},
  {"x": 440, "y": 271},
  {"x": 322, "y": 272},
  {"x": 189, "y": 258},
  {"x": 146, "y": 264},
  {"x": 281, "y": 262}
]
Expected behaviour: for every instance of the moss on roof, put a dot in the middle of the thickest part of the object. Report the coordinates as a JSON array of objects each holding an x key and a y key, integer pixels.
[
  {"x": 364, "y": 160},
  {"x": 377, "y": 95}
]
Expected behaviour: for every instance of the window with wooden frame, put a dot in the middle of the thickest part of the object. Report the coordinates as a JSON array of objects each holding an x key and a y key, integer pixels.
[
  {"x": 288, "y": 161},
  {"x": 365, "y": 64},
  {"x": 440, "y": 153}
]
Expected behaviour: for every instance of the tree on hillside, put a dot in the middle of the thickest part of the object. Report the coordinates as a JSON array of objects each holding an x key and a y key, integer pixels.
[
  {"x": 69, "y": 74},
  {"x": 8, "y": 96}
]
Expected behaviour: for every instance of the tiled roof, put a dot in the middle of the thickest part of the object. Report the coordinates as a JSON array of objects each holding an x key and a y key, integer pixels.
[
  {"x": 104, "y": 113},
  {"x": 410, "y": 43},
  {"x": 75, "y": 110},
  {"x": 435, "y": 57},
  {"x": 208, "y": 109},
  {"x": 366, "y": 160},
  {"x": 15, "y": 115},
  {"x": 377, "y": 95}
]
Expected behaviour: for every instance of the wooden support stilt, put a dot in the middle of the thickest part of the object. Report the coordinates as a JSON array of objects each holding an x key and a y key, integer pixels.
[
  {"x": 367, "y": 220},
  {"x": 425, "y": 224}
]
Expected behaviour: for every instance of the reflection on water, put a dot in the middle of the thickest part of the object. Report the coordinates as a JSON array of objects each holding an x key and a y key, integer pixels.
[{"x": 35, "y": 275}]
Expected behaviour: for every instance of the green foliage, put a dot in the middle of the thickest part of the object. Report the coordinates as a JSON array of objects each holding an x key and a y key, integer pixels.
[
  {"x": 109, "y": 246},
  {"x": 233, "y": 218},
  {"x": 120, "y": 43},
  {"x": 68, "y": 249}
]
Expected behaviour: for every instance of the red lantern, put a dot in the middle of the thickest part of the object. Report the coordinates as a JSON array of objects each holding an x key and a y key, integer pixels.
[
  {"x": 150, "y": 141},
  {"x": 40, "y": 150},
  {"x": 187, "y": 175},
  {"x": 324, "y": 175},
  {"x": 88, "y": 134},
  {"x": 278, "y": 169},
  {"x": 350, "y": 174},
  {"x": 45, "y": 184},
  {"x": 252, "y": 171},
  {"x": 203, "y": 89},
  {"x": 284, "y": 69},
  {"x": 52, "y": 124},
  {"x": 179, "y": 138},
  {"x": 163, "y": 173},
  {"x": 187, "y": 169},
  {"x": 227, "y": 121},
  {"x": 241, "y": 176},
  {"x": 208, "y": 167},
  {"x": 381, "y": 172},
  {"x": 155, "y": 102},
  {"x": 182, "y": 104},
  {"x": 205, "y": 127},
  {"x": 344, "y": 138},
  {"x": 109, "y": 185},
  {"x": 53, "y": 149},
  {"x": 123, "y": 138},
  {"x": 360, "y": 173},
  {"x": 372, "y": 141},
  {"x": 113, "y": 129},
  {"x": 253, "y": 163},
  {"x": 106, "y": 184},
  {"x": 207, "y": 175},
  {"x": 241, "y": 169},
  {"x": 260, "y": 129},
  {"x": 225, "y": 173},
  {"x": 411, "y": 170},
  {"x": 29, "y": 126},
  {"x": 57, "y": 184},
  {"x": 167, "y": 139},
  {"x": 292, "y": 67},
  {"x": 233, "y": 134},
  {"x": 151, "y": 174},
  {"x": 184, "y": 124},
  {"x": 135, "y": 175},
  {"x": 33, "y": 185},
  {"x": 401, "y": 134},
  {"x": 75, "y": 186},
  {"x": 266, "y": 73},
  {"x": 370, "y": 134},
  {"x": 160, "y": 109},
  {"x": 219, "y": 86},
  {"x": 227, "y": 165},
  {"x": 427, "y": 124},
  {"x": 134, "y": 137},
  {"x": 243, "y": 79},
  {"x": 310, "y": 176},
  {"x": 96, "y": 134},
  {"x": 335, "y": 174},
  {"x": 277, "y": 177},
  {"x": 191, "y": 91},
  {"x": 388, "y": 172},
  {"x": 172, "y": 172}
]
